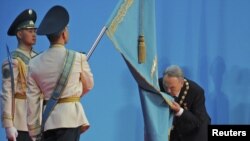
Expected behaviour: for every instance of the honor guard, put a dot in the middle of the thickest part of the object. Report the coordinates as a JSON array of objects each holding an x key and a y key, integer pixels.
[
  {"x": 62, "y": 76},
  {"x": 14, "y": 72}
]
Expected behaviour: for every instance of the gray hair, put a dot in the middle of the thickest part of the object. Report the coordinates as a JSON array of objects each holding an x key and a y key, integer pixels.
[{"x": 173, "y": 71}]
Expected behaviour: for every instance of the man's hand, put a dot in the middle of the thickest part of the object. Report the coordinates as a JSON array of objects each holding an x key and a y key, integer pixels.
[
  {"x": 175, "y": 107},
  {"x": 11, "y": 133}
]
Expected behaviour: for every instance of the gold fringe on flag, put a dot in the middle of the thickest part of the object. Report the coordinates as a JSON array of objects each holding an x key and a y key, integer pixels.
[{"x": 141, "y": 49}]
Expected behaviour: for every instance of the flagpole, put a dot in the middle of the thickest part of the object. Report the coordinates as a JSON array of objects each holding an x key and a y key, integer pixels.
[{"x": 96, "y": 42}]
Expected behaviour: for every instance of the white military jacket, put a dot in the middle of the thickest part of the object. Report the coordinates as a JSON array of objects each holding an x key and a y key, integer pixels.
[
  {"x": 43, "y": 74},
  {"x": 19, "y": 118}
]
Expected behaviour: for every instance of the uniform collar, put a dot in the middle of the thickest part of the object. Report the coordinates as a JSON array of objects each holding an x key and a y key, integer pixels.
[
  {"x": 29, "y": 53},
  {"x": 56, "y": 46}
]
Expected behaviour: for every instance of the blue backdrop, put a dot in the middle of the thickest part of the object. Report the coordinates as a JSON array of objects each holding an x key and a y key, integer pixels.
[{"x": 209, "y": 39}]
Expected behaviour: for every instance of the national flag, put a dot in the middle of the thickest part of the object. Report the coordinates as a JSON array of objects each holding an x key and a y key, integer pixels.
[{"x": 131, "y": 28}]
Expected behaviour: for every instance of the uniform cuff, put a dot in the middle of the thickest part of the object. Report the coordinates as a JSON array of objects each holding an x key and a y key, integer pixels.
[
  {"x": 7, "y": 121},
  {"x": 34, "y": 131}
]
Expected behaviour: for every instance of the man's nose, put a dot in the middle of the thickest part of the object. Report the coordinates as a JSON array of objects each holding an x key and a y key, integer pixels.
[{"x": 169, "y": 90}]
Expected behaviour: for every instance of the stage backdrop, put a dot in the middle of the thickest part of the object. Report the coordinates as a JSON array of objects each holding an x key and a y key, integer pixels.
[{"x": 209, "y": 39}]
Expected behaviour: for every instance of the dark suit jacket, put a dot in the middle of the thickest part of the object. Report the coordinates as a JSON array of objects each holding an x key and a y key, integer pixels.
[{"x": 192, "y": 124}]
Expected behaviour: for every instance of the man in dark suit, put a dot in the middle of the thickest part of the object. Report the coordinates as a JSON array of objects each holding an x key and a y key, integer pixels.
[{"x": 191, "y": 118}]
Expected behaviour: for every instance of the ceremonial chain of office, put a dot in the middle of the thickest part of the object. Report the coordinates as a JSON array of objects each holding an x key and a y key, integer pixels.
[{"x": 185, "y": 93}]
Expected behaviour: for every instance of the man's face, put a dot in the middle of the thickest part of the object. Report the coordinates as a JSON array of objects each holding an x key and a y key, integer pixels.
[
  {"x": 173, "y": 85},
  {"x": 27, "y": 36}
]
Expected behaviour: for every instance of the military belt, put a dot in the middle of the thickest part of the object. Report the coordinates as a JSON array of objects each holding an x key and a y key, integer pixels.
[
  {"x": 20, "y": 96},
  {"x": 65, "y": 100}
]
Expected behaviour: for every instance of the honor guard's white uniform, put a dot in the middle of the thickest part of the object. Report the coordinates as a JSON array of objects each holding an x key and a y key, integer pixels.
[
  {"x": 44, "y": 72},
  {"x": 16, "y": 116}
]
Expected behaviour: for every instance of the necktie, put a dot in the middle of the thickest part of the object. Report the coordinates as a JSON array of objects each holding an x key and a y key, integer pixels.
[{"x": 175, "y": 98}]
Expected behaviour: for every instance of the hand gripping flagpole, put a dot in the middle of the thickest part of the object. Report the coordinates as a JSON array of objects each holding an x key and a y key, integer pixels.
[
  {"x": 96, "y": 42},
  {"x": 12, "y": 79}
]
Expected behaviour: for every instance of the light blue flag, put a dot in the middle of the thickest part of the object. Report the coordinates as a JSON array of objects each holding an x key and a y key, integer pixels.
[{"x": 131, "y": 28}]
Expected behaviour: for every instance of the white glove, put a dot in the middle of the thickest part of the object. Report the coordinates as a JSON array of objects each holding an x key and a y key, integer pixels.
[
  {"x": 33, "y": 138},
  {"x": 11, "y": 133},
  {"x": 37, "y": 137}
]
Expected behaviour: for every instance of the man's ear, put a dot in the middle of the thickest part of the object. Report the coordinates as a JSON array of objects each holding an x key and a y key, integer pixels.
[
  {"x": 64, "y": 35},
  {"x": 19, "y": 34}
]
